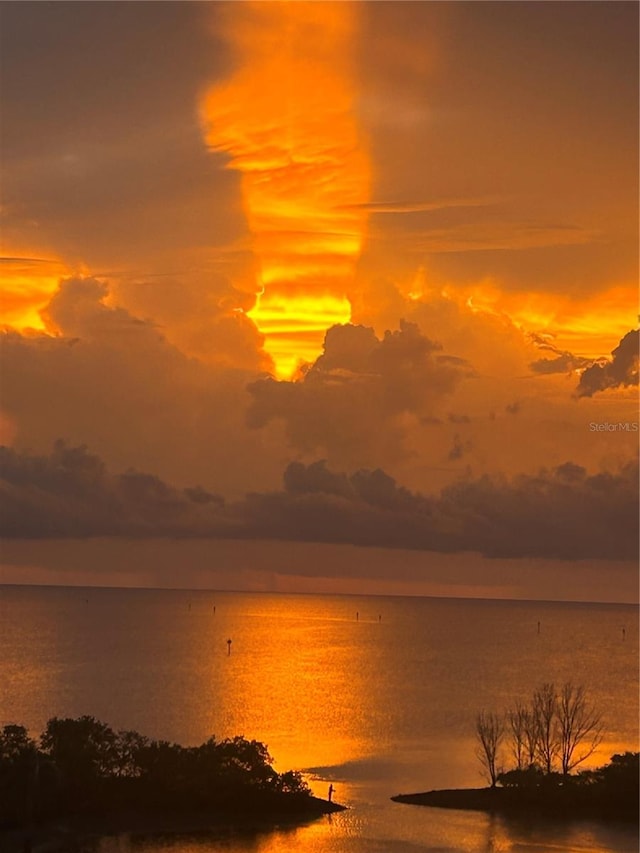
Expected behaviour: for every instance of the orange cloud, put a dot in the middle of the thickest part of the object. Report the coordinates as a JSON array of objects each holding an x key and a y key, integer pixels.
[
  {"x": 286, "y": 119},
  {"x": 27, "y": 286},
  {"x": 588, "y": 327}
]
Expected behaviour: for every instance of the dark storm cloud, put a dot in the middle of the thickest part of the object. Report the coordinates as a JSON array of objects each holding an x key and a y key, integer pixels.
[
  {"x": 562, "y": 513},
  {"x": 71, "y": 494},
  {"x": 620, "y": 372},
  {"x": 351, "y": 402}
]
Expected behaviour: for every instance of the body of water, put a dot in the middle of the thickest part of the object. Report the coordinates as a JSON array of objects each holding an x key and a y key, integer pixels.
[{"x": 375, "y": 695}]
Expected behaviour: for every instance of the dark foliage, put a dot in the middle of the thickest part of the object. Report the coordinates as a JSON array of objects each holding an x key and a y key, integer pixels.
[
  {"x": 610, "y": 791},
  {"x": 83, "y": 767}
]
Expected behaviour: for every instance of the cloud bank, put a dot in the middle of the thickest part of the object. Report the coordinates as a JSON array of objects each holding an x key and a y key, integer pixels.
[
  {"x": 563, "y": 513},
  {"x": 71, "y": 494}
]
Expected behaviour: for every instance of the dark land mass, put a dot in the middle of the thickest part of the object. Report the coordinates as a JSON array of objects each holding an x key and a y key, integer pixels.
[
  {"x": 607, "y": 794},
  {"x": 82, "y": 781}
]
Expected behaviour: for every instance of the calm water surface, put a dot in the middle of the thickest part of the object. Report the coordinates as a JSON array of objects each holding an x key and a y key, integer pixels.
[{"x": 375, "y": 695}]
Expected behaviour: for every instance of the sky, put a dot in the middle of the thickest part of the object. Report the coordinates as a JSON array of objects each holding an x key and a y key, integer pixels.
[{"x": 321, "y": 296}]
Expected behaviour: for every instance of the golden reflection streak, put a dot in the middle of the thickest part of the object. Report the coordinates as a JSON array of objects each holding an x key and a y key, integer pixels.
[
  {"x": 296, "y": 679},
  {"x": 286, "y": 118}
]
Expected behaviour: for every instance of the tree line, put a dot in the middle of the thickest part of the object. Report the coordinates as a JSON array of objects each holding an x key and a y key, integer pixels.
[
  {"x": 81, "y": 766},
  {"x": 545, "y": 740},
  {"x": 554, "y": 732}
]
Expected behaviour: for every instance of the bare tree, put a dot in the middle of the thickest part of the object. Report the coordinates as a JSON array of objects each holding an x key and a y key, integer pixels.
[
  {"x": 489, "y": 730},
  {"x": 519, "y": 725},
  {"x": 555, "y": 731},
  {"x": 544, "y": 706},
  {"x": 531, "y": 736},
  {"x": 579, "y": 726}
]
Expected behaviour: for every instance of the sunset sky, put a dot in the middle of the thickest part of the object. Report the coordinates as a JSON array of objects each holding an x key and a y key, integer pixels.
[{"x": 321, "y": 296}]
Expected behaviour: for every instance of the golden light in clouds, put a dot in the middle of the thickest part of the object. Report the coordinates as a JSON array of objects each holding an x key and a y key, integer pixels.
[
  {"x": 591, "y": 327},
  {"x": 27, "y": 286},
  {"x": 286, "y": 118}
]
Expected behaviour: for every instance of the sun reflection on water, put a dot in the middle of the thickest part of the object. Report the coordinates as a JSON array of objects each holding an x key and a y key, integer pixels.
[{"x": 376, "y": 706}]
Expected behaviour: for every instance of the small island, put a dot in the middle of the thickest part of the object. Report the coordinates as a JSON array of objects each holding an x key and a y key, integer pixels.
[
  {"x": 609, "y": 793},
  {"x": 84, "y": 780},
  {"x": 547, "y": 739}
]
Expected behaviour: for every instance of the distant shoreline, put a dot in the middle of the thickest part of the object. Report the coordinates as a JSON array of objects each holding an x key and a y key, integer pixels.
[
  {"x": 321, "y": 594},
  {"x": 557, "y": 804}
]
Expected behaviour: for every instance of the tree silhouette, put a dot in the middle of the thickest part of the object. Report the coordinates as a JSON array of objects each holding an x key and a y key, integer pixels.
[
  {"x": 519, "y": 722},
  {"x": 544, "y": 705},
  {"x": 84, "y": 767},
  {"x": 127, "y": 750},
  {"x": 554, "y": 727},
  {"x": 489, "y": 731},
  {"x": 18, "y": 771},
  {"x": 579, "y": 727},
  {"x": 84, "y": 748}
]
